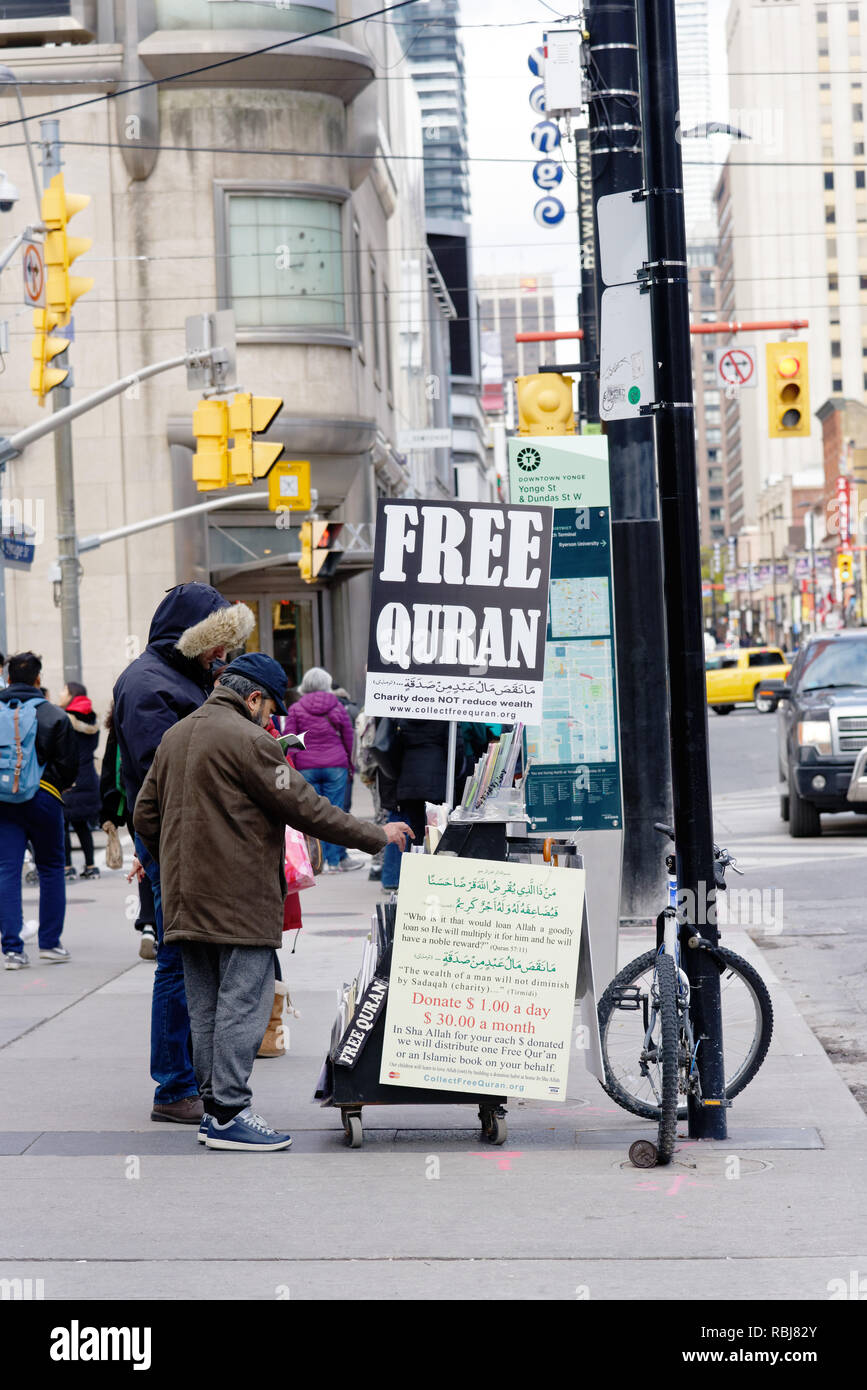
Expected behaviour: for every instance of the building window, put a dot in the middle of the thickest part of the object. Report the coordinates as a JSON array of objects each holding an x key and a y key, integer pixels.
[
  {"x": 829, "y": 179},
  {"x": 858, "y": 147},
  {"x": 285, "y": 262},
  {"x": 837, "y": 384},
  {"x": 835, "y": 348},
  {"x": 831, "y": 249},
  {"x": 833, "y": 284},
  {"x": 857, "y": 112},
  {"x": 830, "y": 215},
  {"x": 859, "y": 178},
  {"x": 374, "y": 320}
]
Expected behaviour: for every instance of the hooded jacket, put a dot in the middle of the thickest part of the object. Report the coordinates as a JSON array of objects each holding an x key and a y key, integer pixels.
[
  {"x": 212, "y": 811},
  {"x": 328, "y": 728},
  {"x": 56, "y": 748},
  {"x": 81, "y": 801},
  {"x": 166, "y": 682}
]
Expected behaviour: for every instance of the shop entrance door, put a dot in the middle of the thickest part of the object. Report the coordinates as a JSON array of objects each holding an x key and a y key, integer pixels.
[{"x": 287, "y": 625}]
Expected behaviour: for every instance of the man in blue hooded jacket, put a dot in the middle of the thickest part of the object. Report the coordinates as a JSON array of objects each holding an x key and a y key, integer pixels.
[{"x": 192, "y": 631}]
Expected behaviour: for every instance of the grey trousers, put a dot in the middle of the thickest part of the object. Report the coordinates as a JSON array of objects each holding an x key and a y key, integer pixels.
[{"x": 230, "y": 993}]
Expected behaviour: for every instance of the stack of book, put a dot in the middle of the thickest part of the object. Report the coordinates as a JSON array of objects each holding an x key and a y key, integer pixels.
[
  {"x": 490, "y": 782},
  {"x": 373, "y": 961}
]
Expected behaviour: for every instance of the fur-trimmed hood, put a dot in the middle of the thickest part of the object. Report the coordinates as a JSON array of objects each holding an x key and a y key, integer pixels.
[
  {"x": 226, "y": 627},
  {"x": 194, "y": 617},
  {"x": 81, "y": 726}
]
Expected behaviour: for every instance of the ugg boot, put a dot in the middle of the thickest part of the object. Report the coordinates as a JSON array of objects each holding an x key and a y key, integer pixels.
[{"x": 274, "y": 1042}]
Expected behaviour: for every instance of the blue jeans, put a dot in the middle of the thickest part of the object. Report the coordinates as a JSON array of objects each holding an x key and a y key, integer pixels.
[
  {"x": 413, "y": 813},
  {"x": 329, "y": 782},
  {"x": 171, "y": 1046},
  {"x": 39, "y": 820}
]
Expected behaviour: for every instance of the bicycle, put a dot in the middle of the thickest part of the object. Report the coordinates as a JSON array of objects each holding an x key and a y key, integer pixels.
[{"x": 653, "y": 1071}]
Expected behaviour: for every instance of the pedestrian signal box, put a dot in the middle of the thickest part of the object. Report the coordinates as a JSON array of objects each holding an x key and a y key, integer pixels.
[
  {"x": 545, "y": 404},
  {"x": 788, "y": 390},
  {"x": 321, "y": 550}
]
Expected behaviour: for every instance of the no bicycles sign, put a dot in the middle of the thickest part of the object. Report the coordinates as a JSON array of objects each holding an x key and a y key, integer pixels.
[{"x": 736, "y": 366}]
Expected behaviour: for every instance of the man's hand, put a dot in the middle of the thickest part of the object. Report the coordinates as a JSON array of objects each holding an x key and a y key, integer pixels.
[
  {"x": 396, "y": 832},
  {"x": 136, "y": 872}
]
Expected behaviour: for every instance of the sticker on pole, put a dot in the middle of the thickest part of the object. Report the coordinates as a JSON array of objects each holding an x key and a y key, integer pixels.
[
  {"x": 736, "y": 366},
  {"x": 34, "y": 275},
  {"x": 626, "y": 376}
]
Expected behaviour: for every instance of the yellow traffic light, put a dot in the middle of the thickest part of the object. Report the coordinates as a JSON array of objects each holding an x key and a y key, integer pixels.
[
  {"x": 61, "y": 288},
  {"x": 211, "y": 461},
  {"x": 845, "y": 568},
  {"x": 44, "y": 349},
  {"x": 305, "y": 564},
  {"x": 788, "y": 390},
  {"x": 249, "y": 415},
  {"x": 545, "y": 404}
]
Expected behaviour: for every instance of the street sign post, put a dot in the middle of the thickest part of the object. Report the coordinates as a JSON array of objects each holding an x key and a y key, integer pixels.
[{"x": 289, "y": 486}]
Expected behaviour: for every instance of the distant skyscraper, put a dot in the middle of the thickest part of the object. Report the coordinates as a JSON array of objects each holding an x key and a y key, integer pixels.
[
  {"x": 693, "y": 61},
  {"x": 436, "y": 55}
]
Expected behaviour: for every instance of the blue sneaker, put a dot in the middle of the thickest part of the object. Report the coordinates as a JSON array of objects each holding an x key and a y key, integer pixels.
[
  {"x": 246, "y": 1131},
  {"x": 204, "y": 1127}
]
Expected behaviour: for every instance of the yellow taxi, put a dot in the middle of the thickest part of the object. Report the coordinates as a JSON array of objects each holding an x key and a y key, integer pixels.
[{"x": 734, "y": 677}]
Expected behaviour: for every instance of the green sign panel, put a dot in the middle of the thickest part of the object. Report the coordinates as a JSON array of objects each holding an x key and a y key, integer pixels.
[{"x": 572, "y": 758}]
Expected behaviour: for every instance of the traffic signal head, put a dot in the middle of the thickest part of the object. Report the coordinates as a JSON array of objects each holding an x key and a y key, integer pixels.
[
  {"x": 788, "y": 390},
  {"x": 45, "y": 348},
  {"x": 211, "y": 461},
  {"x": 320, "y": 549},
  {"x": 545, "y": 404},
  {"x": 845, "y": 568},
  {"x": 61, "y": 288},
  {"x": 250, "y": 415}
]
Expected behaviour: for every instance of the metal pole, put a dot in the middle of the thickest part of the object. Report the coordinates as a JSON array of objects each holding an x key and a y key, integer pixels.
[
  {"x": 450, "y": 762},
  {"x": 615, "y": 148},
  {"x": 588, "y": 316},
  {"x": 121, "y": 532},
  {"x": 681, "y": 540},
  {"x": 70, "y": 615}
]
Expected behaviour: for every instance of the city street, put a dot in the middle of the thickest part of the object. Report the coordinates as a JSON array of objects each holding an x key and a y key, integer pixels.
[{"x": 108, "y": 1203}]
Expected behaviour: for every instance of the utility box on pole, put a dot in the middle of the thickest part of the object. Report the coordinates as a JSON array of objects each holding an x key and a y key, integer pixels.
[{"x": 562, "y": 72}]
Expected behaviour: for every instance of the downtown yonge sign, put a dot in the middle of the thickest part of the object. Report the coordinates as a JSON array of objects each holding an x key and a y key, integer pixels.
[{"x": 458, "y": 611}]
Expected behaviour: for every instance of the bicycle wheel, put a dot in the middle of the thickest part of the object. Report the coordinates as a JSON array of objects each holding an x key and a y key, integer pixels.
[
  {"x": 747, "y": 1018},
  {"x": 668, "y": 1055}
]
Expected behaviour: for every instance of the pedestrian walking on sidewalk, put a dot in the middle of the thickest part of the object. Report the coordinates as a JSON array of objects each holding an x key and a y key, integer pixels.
[
  {"x": 192, "y": 630},
  {"x": 38, "y": 761},
  {"x": 212, "y": 813},
  {"x": 81, "y": 800},
  {"x": 325, "y": 761}
]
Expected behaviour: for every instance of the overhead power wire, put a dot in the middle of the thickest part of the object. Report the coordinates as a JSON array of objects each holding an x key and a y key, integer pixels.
[{"x": 218, "y": 63}]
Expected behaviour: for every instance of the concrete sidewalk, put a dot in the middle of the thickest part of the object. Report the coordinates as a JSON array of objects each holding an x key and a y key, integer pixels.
[{"x": 103, "y": 1203}]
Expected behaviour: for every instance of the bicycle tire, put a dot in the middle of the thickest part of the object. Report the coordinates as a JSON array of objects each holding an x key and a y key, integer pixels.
[
  {"x": 727, "y": 961},
  {"x": 669, "y": 1051}
]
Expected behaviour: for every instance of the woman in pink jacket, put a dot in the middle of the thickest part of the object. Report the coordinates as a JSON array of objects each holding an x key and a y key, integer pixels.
[{"x": 326, "y": 758}]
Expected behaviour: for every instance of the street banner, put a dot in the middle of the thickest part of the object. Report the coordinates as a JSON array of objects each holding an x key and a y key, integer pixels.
[
  {"x": 483, "y": 978},
  {"x": 572, "y": 777},
  {"x": 458, "y": 605}
]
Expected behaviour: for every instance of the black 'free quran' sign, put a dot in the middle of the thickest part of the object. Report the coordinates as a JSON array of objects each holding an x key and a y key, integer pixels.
[{"x": 458, "y": 611}]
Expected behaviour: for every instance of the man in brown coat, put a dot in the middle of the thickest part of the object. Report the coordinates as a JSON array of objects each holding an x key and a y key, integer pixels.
[{"x": 212, "y": 812}]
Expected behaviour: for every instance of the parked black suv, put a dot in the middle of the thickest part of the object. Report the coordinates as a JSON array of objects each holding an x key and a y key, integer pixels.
[{"x": 822, "y": 727}]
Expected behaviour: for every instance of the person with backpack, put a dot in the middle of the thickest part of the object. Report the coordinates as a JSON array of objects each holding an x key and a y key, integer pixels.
[
  {"x": 38, "y": 761},
  {"x": 81, "y": 800},
  {"x": 325, "y": 761}
]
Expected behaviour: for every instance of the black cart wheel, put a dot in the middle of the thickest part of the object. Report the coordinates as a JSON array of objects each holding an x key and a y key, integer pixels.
[{"x": 494, "y": 1127}]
